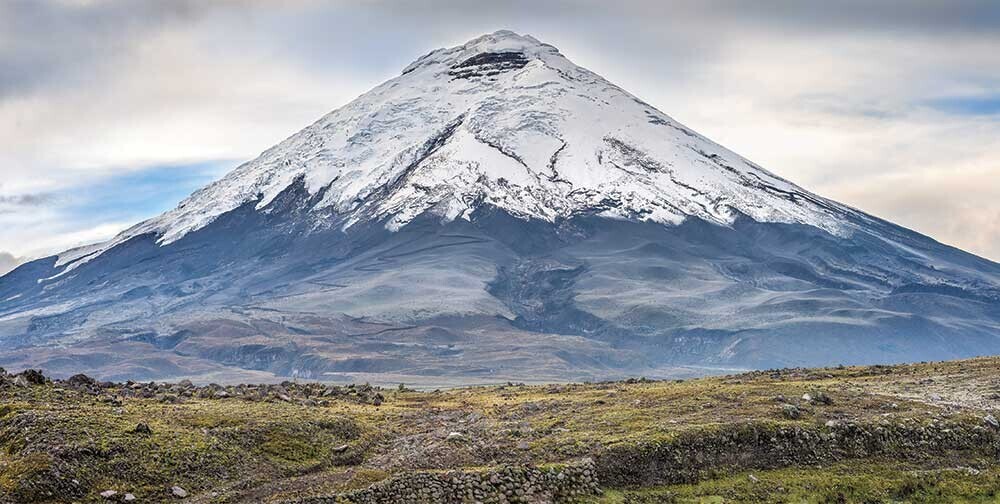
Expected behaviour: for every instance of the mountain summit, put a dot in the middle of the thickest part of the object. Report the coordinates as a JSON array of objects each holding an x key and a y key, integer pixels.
[
  {"x": 492, "y": 210},
  {"x": 508, "y": 121}
]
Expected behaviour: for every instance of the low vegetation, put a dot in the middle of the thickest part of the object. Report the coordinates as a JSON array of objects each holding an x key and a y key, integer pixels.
[{"x": 910, "y": 433}]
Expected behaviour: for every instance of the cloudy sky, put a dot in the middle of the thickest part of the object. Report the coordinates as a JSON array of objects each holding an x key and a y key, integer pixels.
[{"x": 112, "y": 111}]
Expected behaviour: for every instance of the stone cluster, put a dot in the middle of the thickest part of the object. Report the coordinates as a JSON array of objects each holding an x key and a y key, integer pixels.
[
  {"x": 516, "y": 484},
  {"x": 22, "y": 379},
  {"x": 306, "y": 394}
]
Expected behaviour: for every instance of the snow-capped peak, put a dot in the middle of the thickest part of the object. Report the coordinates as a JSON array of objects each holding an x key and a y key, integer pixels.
[
  {"x": 508, "y": 121},
  {"x": 502, "y": 41}
]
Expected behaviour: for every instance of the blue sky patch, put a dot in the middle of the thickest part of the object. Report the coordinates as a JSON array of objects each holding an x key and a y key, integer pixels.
[
  {"x": 968, "y": 105},
  {"x": 140, "y": 194}
]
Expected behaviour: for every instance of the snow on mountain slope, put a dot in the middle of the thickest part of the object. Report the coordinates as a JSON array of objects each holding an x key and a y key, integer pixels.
[
  {"x": 506, "y": 120},
  {"x": 497, "y": 209}
]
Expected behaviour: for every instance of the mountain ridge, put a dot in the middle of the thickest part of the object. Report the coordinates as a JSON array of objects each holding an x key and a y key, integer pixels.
[{"x": 496, "y": 210}]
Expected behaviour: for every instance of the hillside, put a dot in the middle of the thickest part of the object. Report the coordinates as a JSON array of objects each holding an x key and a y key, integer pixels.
[{"x": 909, "y": 433}]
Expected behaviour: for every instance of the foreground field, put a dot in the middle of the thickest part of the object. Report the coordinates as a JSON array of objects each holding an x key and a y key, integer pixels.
[{"x": 910, "y": 433}]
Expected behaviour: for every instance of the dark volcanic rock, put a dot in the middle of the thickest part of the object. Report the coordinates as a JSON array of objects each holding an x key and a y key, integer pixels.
[{"x": 32, "y": 376}]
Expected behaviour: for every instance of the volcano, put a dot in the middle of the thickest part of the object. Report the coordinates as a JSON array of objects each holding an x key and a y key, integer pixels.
[{"x": 496, "y": 212}]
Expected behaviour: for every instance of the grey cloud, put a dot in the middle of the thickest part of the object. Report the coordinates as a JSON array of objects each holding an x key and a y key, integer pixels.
[
  {"x": 831, "y": 104},
  {"x": 59, "y": 43},
  {"x": 26, "y": 199},
  {"x": 19, "y": 202},
  {"x": 62, "y": 43},
  {"x": 714, "y": 17},
  {"x": 925, "y": 16}
]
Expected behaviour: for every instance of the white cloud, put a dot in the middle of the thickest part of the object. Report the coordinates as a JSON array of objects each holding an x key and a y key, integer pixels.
[
  {"x": 849, "y": 119},
  {"x": 44, "y": 236},
  {"x": 8, "y": 262}
]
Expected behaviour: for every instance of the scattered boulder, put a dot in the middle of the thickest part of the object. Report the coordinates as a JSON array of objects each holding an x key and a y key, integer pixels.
[
  {"x": 992, "y": 421},
  {"x": 178, "y": 492},
  {"x": 109, "y": 494},
  {"x": 84, "y": 383},
  {"x": 169, "y": 399},
  {"x": 110, "y": 400},
  {"x": 791, "y": 412},
  {"x": 531, "y": 407},
  {"x": 820, "y": 397},
  {"x": 32, "y": 376}
]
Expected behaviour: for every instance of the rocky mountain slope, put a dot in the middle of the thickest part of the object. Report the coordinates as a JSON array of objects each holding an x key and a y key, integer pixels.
[{"x": 496, "y": 211}]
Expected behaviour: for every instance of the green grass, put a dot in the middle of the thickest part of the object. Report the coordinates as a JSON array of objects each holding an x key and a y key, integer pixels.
[
  {"x": 200, "y": 445},
  {"x": 855, "y": 482},
  {"x": 246, "y": 451}
]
